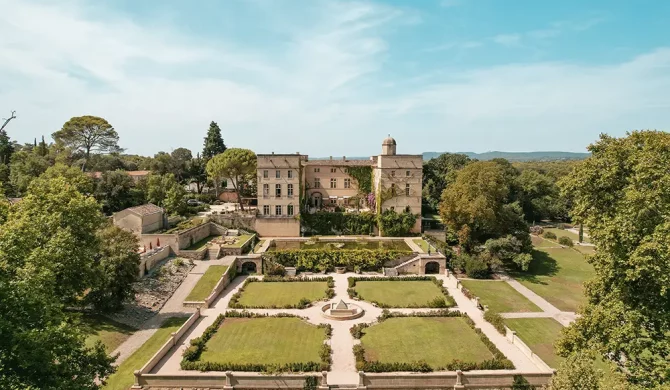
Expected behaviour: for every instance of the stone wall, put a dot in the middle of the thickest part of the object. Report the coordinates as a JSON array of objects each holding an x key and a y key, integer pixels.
[
  {"x": 223, "y": 282},
  {"x": 194, "y": 255},
  {"x": 235, "y": 221},
  {"x": 154, "y": 240},
  {"x": 418, "y": 267},
  {"x": 149, "y": 260},
  {"x": 193, "y": 235},
  {"x": 278, "y": 227}
]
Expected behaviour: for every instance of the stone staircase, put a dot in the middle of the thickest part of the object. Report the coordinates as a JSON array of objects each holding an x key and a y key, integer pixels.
[{"x": 213, "y": 252}]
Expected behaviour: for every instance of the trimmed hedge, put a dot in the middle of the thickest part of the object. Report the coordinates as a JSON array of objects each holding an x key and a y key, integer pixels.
[
  {"x": 447, "y": 301},
  {"x": 302, "y": 304},
  {"x": 192, "y": 353},
  {"x": 316, "y": 260},
  {"x": 326, "y": 223},
  {"x": 496, "y": 320},
  {"x": 357, "y": 330},
  {"x": 499, "y": 361},
  {"x": 549, "y": 235},
  {"x": 565, "y": 241}
]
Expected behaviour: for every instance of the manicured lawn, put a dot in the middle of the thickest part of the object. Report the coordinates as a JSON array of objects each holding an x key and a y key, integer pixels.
[
  {"x": 561, "y": 232},
  {"x": 281, "y": 294},
  {"x": 123, "y": 378},
  {"x": 539, "y": 334},
  {"x": 423, "y": 244},
  {"x": 264, "y": 340},
  {"x": 206, "y": 283},
  {"x": 201, "y": 244},
  {"x": 241, "y": 240},
  {"x": 111, "y": 333},
  {"x": 557, "y": 275},
  {"x": 258, "y": 246},
  {"x": 585, "y": 249},
  {"x": 499, "y": 296},
  {"x": 539, "y": 242},
  {"x": 400, "y": 293},
  {"x": 437, "y": 340}
]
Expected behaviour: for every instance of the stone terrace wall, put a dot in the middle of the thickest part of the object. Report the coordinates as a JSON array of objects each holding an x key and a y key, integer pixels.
[
  {"x": 150, "y": 259},
  {"x": 235, "y": 221}
]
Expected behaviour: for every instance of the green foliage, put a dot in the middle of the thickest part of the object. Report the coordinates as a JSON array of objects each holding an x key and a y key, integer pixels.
[
  {"x": 392, "y": 224},
  {"x": 438, "y": 173},
  {"x": 363, "y": 177},
  {"x": 303, "y": 303},
  {"x": 316, "y": 260},
  {"x": 476, "y": 267},
  {"x": 88, "y": 134},
  {"x": 620, "y": 193},
  {"x": 325, "y": 223},
  {"x": 436, "y": 303},
  {"x": 521, "y": 383},
  {"x": 565, "y": 241},
  {"x": 270, "y": 268},
  {"x": 235, "y": 164},
  {"x": 510, "y": 250},
  {"x": 311, "y": 383},
  {"x": 166, "y": 192},
  {"x": 357, "y": 330},
  {"x": 496, "y": 320},
  {"x": 579, "y": 372},
  {"x": 549, "y": 235},
  {"x": 25, "y": 166},
  {"x": 213, "y": 142},
  {"x": 118, "y": 267},
  {"x": 116, "y": 191}
]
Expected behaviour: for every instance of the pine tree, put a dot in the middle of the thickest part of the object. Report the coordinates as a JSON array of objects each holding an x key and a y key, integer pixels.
[
  {"x": 213, "y": 142},
  {"x": 42, "y": 148},
  {"x": 6, "y": 147}
]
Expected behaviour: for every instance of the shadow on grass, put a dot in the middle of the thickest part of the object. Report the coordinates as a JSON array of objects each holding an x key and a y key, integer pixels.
[
  {"x": 95, "y": 323},
  {"x": 542, "y": 265}
]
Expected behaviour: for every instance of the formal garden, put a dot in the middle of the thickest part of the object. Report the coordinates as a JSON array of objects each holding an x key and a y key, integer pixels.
[
  {"x": 243, "y": 341},
  {"x": 539, "y": 334},
  {"x": 281, "y": 293},
  {"x": 499, "y": 296},
  {"x": 206, "y": 283},
  {"x": 400, "y": 292}
]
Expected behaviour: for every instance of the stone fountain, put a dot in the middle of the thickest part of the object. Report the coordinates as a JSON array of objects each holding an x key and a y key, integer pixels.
[{"x": 342, "y": 311}]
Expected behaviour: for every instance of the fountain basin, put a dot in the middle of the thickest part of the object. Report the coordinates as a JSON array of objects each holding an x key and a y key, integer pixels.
[{"x": 341, "y": 311}]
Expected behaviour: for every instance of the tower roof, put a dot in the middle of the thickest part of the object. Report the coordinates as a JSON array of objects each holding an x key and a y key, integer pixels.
[{"x": 389, "y": 141}]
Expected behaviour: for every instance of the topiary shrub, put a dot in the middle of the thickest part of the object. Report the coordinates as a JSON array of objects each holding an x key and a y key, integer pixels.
[
  {"x": 476, "y": 268},
  {"x": 565, "y": 241},
  {"x": 549, "y": 235}
]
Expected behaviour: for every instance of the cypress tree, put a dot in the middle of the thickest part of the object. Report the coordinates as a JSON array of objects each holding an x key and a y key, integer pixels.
[{"x": 213, "y": 142}]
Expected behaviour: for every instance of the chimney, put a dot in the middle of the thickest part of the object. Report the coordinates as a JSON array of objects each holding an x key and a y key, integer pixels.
[
  {"x": 331, "y": 157},
  {"x": 273, "y": 152},
  {"x": 344, "y": 158}
]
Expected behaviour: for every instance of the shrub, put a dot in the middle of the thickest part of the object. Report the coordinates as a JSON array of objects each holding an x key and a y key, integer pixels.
[
  {"x": 537, "y": 230},
  {"x": 560, "y": 226},
  {"x": 496, "y": 320},
  {"x": 549, "y": 235},
  {"x": 392, "y": 224},
  {"x": 476, "y": 268},
  {"x": 316, "y": 260},
  {"x": 357, "y": 330},
  {"x": 326, "y": 223},
  {"x": 565, "y": 241},
  {"x": 273, "y": 269}
]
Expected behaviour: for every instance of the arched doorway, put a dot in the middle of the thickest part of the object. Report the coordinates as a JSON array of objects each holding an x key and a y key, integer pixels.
[
  {"x": 432, "y": 267},
  {"x": 317, "y": 200},
  {"x": 249, "y": 267}
]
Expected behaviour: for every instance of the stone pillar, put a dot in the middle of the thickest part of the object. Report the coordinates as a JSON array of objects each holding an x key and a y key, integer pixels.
[
  {"x": 361, "y": 380},
  {"x": 229, "y": 381},
  {"x": 458, "y": 284},
  {"x": 513, "y": 336},
  {"x": 459, "y": 380},
  {"x": 137, "y": 385},
  {"x": 324, "y": 381}
]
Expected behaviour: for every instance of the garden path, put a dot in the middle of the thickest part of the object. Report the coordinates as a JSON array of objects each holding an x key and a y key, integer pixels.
[{"x": 548, "y": 310}]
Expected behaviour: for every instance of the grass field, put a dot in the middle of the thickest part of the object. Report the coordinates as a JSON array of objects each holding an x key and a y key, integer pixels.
[
  {"x": 539, "y": 334},
  {"x": 280, "y": 294},
  {"x": 201, "y": 244},
  {"x": 264, "y": 340},
  {"x": 111, "y": 333},
  {"x": 423, "y": 244},
  {"x": 241, "y": 240},
  {"x": 400, "y": 293},
  {"x": 123, "y": 378},
  {"x": 499, "y": 296},
  {"x": 539, "y": 242},
  {"x": 258, "y": 246},
  {"x": 437, "y": 340},
  {"x": 557, "y": 275},
  {"x": 562, "y": 232},
  {"x": 206, "y": 283}
]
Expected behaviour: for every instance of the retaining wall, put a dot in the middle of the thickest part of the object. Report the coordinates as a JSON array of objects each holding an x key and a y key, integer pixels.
[
  {"x": 149, "y": 260},
  {"x": 225, "y": 280},
  {"x": 511, "y": 336}
]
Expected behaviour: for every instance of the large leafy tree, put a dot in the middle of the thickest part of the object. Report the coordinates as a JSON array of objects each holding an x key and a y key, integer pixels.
[
  {"x": 88, "y": 134},
  {"x": 118, "y": 267},
  {"x": 438, "y": 173},
  {"x": 165, "y": 191},
  {"x": 47, "y": 247},
  {"x": 25, "y": 166},
  {"x": 478, "y": 206},
  {"x": 213, "y": 142},
  {"x": 236, "y": 164},
  {"x": 116, "y": 191},
  {"x": 81, "y": 181},
  {"x": 197, "y": 173},
  {"x": 622, "y": 193}
]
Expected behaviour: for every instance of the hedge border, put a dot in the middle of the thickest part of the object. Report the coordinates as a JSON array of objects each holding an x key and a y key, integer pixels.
[
  {"x": 302, "y": 304},
  {"x": 498, "y": 362},
  {"x": 318, "y": 260},
  {"x": 192, "y": 353},
  {"x": 448, "y": 299}
]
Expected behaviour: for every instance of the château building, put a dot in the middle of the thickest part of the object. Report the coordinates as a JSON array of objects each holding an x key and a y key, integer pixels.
[{"x": 291, "y": 184}]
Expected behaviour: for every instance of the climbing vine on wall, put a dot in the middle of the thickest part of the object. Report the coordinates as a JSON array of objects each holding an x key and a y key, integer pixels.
[
  {"x": 363, "y": 177},
  {"x": 393, "y": 224}
]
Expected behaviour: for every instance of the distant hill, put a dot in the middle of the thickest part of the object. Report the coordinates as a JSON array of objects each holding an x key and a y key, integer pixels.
[{"x": 517, "y": 156}]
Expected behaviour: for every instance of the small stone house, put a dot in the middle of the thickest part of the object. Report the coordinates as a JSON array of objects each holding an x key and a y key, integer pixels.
[{"x": 142, "y": 219}]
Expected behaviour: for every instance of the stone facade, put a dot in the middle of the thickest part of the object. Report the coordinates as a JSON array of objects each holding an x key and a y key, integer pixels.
[
  {"x": 283, "y": 178},
  {"x": 141, "y": 219}
]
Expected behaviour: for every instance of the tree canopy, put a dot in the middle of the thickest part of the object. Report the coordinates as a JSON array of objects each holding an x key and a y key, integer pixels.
[
  {"x": 236, "y": 164},
  {"x": 438, "y": 173},
  {"x": 621, "y": 194},
  {"x": 213, "y": 142},
  {"x": 88, "y": 134}
]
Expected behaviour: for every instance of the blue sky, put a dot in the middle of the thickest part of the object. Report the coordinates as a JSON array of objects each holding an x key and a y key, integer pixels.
[{"x": 335, "y": 77}]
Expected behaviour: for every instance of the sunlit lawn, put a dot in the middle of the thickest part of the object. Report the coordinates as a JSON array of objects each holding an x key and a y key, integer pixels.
[
  {"x": 436, "y": 340},
  {"x": 123, "y": 378},
  {"x": 539, "y": 334},
  {"x": 499, "y": 296},
  {"x": 281, "y": 294},
  {"x": 207, "y": 282},
  {"x": 562, "y": 232},
  {"x": 111, "y": 333},
  {"x": 399, "y": 293}
]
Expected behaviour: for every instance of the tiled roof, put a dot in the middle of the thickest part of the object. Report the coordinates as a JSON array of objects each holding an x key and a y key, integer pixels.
[
  {"x": 340, "y": 162},
  {"x": 146, "y": 209}
]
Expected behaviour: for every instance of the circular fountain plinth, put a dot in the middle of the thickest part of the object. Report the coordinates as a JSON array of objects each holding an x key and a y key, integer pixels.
[{"x": 342, "y": 311}]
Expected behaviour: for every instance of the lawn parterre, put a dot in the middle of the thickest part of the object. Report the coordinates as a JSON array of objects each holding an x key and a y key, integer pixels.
[
  {"x": 207, "y": 282},
  {"x": 426, "y": 291},
  {"x": 427, "y": 342},
  {"x": 423, "y": 244},
  {"x": 499, "y": 296},
  {"x": 244, "y": 341},
  {"x": 123, "y": 378},
  {"x": 100, "y": 328},
  {"x": 539, "y": 334},
  {"x": 557, "y": 275},
  {"x": 281, "y": 293}
]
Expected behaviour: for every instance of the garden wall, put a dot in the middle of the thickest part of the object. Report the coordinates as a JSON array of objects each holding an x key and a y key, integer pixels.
[
  {"x": 277, "y": 227},
  {"x": 235, "y": 221},
  {"x": 198, "y": 233},
  {"x": 225, "y": 280},
  {"x": 155, "y": 240},
  {"x": 149, "y": 260},
  {"x": 450, "y": 380},
  {"x": 221, "y": 380},
  {"x": 511, "y": 336}
]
